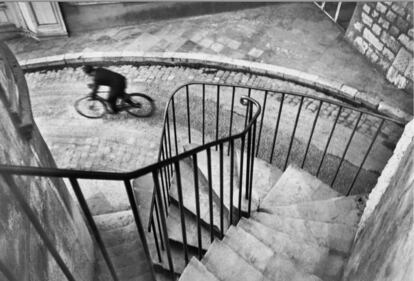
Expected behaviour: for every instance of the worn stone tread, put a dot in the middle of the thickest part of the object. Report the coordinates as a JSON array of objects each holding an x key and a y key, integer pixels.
[
  {"x": 228, "y": 265},
  {"x": 313, "y": 258},
  {"x": 115, "y": 220},
  {"x": 175, "y": 232},
  {"x": 215, "y": 175},
  {"x": 196, "y": 271},
  {"x": 335, "y": 236},
  {"x": 189, "y": 202},
  {"x": 265, "y": 175},
  {"x": 296, "y": 186},
  {"x": 346, "y": 210}
]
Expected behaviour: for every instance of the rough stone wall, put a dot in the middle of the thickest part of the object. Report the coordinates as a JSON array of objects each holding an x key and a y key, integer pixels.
[
  {"x": 384, "y": 245},
  {"x": 23, "y": 255},
  {"x": 383, "y": 32}
]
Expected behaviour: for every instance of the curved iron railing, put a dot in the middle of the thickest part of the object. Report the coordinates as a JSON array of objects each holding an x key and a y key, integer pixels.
[
  {"x": 157, "y": 170},
  {"x": 277, "y": 137}
]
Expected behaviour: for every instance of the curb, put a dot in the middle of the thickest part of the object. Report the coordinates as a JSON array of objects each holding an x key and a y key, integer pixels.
[{"x": 331, "y": 87}]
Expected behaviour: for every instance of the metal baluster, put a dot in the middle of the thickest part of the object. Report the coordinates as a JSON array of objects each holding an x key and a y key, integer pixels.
[
  {"x": 293, "y": 134},
  {"x": 277, "y": 126},
  {"x": 210, "y": 193},
  {"x": 157, "y": 245},
  {"x": 175, "y": 126},
  {"x": 311, "y": 134},
  {"x": 346, "y": 148},
  {"x": 164, "y": 193},
  {"x": 231, "y": 112},
  {"x": 139, "y": 226},
  {"x": 365, "y": 156},
  {"x": 181, "y": 206},
  {"x": 204, "y": 113},
  {"x": 37, "y": 225},
  {"x": 249, "y": 147},
  {"x": 221, "y": 191},
  {"x": 157, "y": 213},
  {"x": 231, "y": 179},
  {"x": 261, "y": 122},
  {"x": 164, "y": 224},
  {"x": 169, "y": 143},
  {"x": 197, "y": 201},
  {"x": 329, "y": 140},
  {"x": 241, "y": 174},
  {"x": 188, "y": 114},
  {"x": 166, "y": 168},
  {"x": 247, "y": 108},
  {"x": 88, "y": 215},
  {"x": 252, "y": 170},
  {"x": 217, "y": 112}
]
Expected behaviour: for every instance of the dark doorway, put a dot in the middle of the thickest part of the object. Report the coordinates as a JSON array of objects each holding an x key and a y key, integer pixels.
[{"x": 340, "y": 12}]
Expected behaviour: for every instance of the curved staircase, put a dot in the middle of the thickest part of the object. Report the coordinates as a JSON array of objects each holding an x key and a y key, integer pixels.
[
  {"x": 299, "y": 228},
  {"x": 302, "y": 230}
]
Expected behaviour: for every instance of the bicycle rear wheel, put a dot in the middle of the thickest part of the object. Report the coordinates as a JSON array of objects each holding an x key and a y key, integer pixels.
[
  {"x": 139, "y": 105},
  {"x": 90, "y": 108}
]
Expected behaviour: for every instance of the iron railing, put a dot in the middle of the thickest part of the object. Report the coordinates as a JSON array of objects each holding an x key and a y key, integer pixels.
[
  {"x": 206, "y": 115},
  {"x": 208, "y": 112},
  {"x": 212, "y": 130},
  {"x": 158, "y": 171}
]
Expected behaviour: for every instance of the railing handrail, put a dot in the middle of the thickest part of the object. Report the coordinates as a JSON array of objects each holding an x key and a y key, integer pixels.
[
  {"x": 82, "y": 174},
  {"x": 101, "y": 175},
  {"x": 293, "y": 93}
]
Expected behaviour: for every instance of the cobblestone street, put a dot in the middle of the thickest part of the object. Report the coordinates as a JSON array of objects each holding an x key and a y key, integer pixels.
[
  {"x": 293, "y": 35},
  {"x": 123, "y": 143}
]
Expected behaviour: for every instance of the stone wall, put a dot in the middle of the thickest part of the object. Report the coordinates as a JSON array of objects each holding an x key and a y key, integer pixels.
[
  {"x": 384, "y": 245},
  {"x": 23, "y": 255},
  {"x": 383, "y": 32},
  {"x": 81, "y": 17}
]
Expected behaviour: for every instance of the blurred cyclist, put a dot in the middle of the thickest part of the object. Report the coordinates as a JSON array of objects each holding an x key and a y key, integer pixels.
[{"x": 105, "y": 77}]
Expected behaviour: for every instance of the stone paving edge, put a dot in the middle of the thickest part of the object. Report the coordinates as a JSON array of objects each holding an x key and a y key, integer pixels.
[{"x": 331, "y": 87}]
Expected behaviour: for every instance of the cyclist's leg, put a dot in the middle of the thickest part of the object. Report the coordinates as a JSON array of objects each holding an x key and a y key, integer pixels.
[{"x": 112, "y": 98}]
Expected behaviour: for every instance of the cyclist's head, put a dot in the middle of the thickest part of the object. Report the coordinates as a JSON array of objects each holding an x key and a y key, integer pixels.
[{"x": 88, "y": 69}]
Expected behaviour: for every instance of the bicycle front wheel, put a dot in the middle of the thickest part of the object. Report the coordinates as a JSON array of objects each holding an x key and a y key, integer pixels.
[
  {"x": 90, "y": 108},
  {"x": 140, "y": 105}
]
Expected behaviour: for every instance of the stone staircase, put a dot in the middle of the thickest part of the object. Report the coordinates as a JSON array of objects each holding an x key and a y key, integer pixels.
[{"x": 300, "y": 228}]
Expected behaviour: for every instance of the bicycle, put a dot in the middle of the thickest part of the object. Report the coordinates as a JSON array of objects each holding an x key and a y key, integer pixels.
[{"x": 136, "y": 104}]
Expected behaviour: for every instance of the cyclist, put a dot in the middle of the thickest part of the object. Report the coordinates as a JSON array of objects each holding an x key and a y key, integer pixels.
[{"x": 105, "y": 77}]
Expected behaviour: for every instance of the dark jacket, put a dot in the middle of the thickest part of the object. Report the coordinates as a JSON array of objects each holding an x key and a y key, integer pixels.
[{"x": 109, "y": 78}]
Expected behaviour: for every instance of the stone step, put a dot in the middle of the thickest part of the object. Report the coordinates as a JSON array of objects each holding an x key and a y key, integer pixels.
[
  {"x": 345, "y": 210},
  {"x": 124, "y": 248},
  {"x": 215, "y": 176},
  {"x": 337, "y": 237},
  {"x": 111, "y": 221},
  {"x": 227, "y": 265},
  {"x": 104, "y": 197},
  {"x": 273, "y": 265},
  {"x": 196, "y": 271},
  {"x": 312, "y": 258},
  {"x": 118, "y": 236},
  {"x": 265, "y": 175},
  {"x": 189, "y": 202},
  {"x": 175, "y": 231},
  {"x": 143, "y": 190},
  {"x": 177, "y": 256},
  {"x": 127, "y": 273},
  {"x": 297, "y": 186}
]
